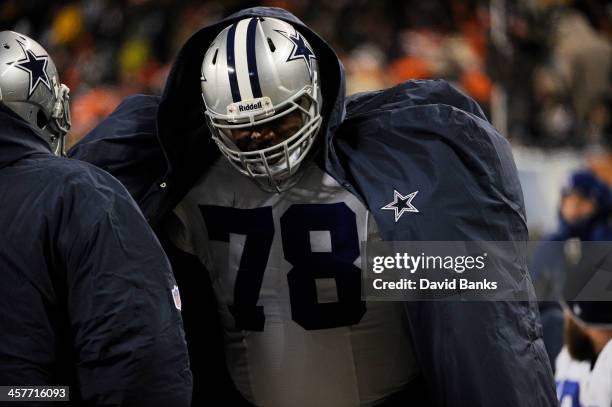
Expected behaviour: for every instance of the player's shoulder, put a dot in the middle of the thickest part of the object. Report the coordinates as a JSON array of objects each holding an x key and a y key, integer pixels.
[
  {"x": 136, "y": 116},
  {"x": 562, "y": 361},
  {"x": 81, "y": 178},
  {"x": 222, "y": 184},
  {"x": 604, "y": 360},
  {"x": 427, "y": 94},
  {"x": 568, "y": 368},
  {"x": 134, "y": 110},
  {"x": 219, "y": 173},
  {"x": 565, "y": 365},
  {"x": 598, "y": 389}
]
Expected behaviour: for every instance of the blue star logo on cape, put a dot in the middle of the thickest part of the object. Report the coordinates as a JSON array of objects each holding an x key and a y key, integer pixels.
[
  {"x": 35, "y": 66},
  {"x": 401, "y": 204},
  {"x": 300, "y": 49}
]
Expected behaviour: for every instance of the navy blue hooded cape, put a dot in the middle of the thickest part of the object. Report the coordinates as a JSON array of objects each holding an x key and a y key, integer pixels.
[{"x": 421, "y": 135}]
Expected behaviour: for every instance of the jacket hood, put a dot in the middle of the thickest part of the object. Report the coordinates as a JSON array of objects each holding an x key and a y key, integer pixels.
[
  {"x": 181, "y": 124},
  {"x": 17, "y": 138}
]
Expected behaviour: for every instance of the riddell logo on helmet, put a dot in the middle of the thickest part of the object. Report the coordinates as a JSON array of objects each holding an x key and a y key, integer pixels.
[
  {"x": 246, "y": 108},
  {"x": 250, "y": 107}
]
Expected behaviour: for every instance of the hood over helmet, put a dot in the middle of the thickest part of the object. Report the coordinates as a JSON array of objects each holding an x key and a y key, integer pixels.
[
  {"x": 187, "y": 142},
  {"x": 127, "y": 143},
  {"x": 261, "y": 87}
]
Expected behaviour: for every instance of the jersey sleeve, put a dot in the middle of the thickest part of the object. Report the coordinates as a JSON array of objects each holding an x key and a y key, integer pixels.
[
  {"x": 123, "y": 303},
  {"x": 598, "y": 388},
  {"x": 186, "y": 229},
  {"x": 176, "y": 225}
]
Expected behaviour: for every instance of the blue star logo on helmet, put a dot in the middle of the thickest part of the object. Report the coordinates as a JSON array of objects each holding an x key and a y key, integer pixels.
[
  {"x": 35, "y": 66},
  {"x": 300, "y": 49}
]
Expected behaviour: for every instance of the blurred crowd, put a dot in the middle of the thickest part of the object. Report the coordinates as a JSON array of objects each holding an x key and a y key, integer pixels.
[{"x": 539, "y": 68}]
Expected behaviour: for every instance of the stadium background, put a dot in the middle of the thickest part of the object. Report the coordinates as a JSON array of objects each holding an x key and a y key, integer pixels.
[{"x": 540, "y": 69}]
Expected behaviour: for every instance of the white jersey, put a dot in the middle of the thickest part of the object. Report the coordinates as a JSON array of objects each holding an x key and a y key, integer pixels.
[
  {"x": 598, "y": 389},
  {"x": 571, "y": 377},
  {"x": 578, "y": 385},
  {"x": 286, "y": 273}
]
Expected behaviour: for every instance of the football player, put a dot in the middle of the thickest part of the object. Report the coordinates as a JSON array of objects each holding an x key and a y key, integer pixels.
[
  {"x": 87, "y": 298},
  {"x": 282, "y": 242},
  {"x": 253, "y": 162},
  {"x": 584, "y": 366},
  {"x": 584, "y": 209}
]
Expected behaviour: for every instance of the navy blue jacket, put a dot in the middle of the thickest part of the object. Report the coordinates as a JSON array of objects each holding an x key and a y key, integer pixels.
[
  {"x": 86, "y": 294},
  {"x": 421, "y": 135}
]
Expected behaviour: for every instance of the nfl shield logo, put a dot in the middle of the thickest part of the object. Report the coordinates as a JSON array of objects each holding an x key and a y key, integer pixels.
[{"x": 176, "y": 296}]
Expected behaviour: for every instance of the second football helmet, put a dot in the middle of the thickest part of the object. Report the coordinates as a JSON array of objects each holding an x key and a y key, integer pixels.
[
  {"x": 30, "y": 87},
  {"x": 256, "y": 71}
]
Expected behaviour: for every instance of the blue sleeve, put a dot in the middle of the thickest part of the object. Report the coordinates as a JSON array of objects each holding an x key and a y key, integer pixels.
[{"x": 129, "y": 344}]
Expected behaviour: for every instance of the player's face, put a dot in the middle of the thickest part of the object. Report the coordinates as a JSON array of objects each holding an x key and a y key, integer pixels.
[{"x": 268, "y": 134}]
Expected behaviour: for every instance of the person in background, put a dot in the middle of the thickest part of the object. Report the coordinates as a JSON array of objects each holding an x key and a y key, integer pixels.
[
  {"x": 584, "y": 214},
  {"x": 584, "y": 366}
]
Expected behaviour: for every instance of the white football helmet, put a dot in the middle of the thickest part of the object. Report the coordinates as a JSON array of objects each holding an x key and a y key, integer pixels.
[
  {"x": 255, "y": 71},
  {"x": 30, "y": 87}
]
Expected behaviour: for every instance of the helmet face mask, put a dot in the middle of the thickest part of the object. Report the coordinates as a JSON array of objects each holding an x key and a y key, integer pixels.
[
  {"x": 30, "y": 87},
  {"x": 279, "y": 77},
  {"x": 60, "y": 122}
]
